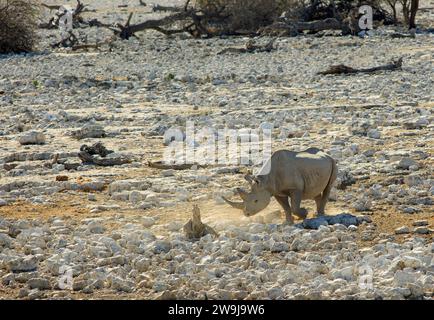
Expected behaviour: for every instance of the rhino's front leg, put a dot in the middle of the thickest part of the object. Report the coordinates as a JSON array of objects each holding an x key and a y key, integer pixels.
[
  {"x": 283, "y": 201},
  {"x": 296, "y": 196}
]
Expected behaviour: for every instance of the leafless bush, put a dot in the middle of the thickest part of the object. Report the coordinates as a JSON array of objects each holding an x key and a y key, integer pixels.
[
  {"x": 17, "y": 25},
  {"x": 250, "y": 15},
  {"x": 244, "y": 15}
]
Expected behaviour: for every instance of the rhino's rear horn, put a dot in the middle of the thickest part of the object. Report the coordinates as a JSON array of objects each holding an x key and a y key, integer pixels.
[
  {"x": 237, "y": 205},
  {"x": 243, "y": 194}
]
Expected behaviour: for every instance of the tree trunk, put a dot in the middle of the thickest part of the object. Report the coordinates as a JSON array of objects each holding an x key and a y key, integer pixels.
[
  {"x": 413, "y": 10},
  {"x": 405, "y": 12},
  {"x": 395, "y": 18}
]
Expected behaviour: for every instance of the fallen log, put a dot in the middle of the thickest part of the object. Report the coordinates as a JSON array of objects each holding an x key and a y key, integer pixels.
[
  {"x": 403, "y": 35},
  {"x": 127, "y": 31},
  {"x": 164, "y": 166},
  {"x": 98, "y": 154},
  {"x": 96, "y": 46},
  {"x": 193, "y": 21},
  {"x": 104, "y": 162},
  {"x": 343, "y": 69}
]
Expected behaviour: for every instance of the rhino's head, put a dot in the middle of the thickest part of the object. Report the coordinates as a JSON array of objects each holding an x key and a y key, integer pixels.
[{"x": 255, "y": 200}]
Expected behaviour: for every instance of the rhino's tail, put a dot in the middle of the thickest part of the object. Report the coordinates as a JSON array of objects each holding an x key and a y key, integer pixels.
[{"x": 332, "y": 178}]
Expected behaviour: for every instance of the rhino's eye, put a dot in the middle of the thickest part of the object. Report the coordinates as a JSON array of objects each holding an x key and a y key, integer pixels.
[{"x": 256, "y": 201}]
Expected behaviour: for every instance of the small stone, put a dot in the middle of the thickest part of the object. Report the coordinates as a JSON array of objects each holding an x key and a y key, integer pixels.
[
  {"x": 24, "y": 292},
  {"x": 411, "y": 262},
  {"x": 413, "y": 180},
  {"x": 420, "y": 223},
  {"x": 162, "y": 246},
  {"x": 244, "y": 247},
  {"x": 422, "y": 230},
  {"x": 367, "y": 236},
  {"x": 89, "y": 131},
  {"x": 3, "y": 203},
  {"x": 28, "y": 263},
  {"x": 409, "y": 209},
  {"x": 8, "y": 279},
  {"x": 5, "y": 240},
  {"x": 406, "y": 163},
  {"x": 175, "y": 226},
  {"x": 148, "y": 222},
  {"x": 159, "y": 286},
  {"x": 57, "y": 168},
  {"x": 222, "y": 103},
  {"x": 122, "y": 285},
  {"x": 402, "y": 278},
  {"x": 32, "y": 137},
  {"x": 402, "y": 230},
  {"x": 135, "y": 197},
  {"x": 79, "y": 285},
  {"x": 34, "y": 294},
  {"x": 168, "y": 173},
  {"x": 95, "y": 227},
  {"x": 279, "y": 247},
  {"x": 166, "y": 295},
  {"x": 374, "y": 134},
  {"x": 275, "y": 293},
  {"x": 352, "y": 228},
  {"x": 363, "y": 204},
  {"x": 39, "y": 283},
  {"x": 142, "y": 265}
]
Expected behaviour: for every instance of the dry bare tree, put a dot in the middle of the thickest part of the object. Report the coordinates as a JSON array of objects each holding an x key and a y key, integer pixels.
[
  {"x": 409, "y": 11},
  {"x": 392, "y": 4}
]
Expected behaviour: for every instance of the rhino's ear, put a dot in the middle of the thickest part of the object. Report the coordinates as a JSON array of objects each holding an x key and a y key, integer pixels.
[{"x": 259, "y": 180}]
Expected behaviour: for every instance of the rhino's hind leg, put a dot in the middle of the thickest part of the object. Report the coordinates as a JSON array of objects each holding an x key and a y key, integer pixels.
[
  {"x": 283, "y": 201},
  {"x": 320, "y": 205},
  {"x": 295, "y": 205},
  {"x": 321, "y": 200}
]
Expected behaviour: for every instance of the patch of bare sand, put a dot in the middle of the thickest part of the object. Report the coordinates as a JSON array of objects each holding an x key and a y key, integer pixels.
[{"x": 219, "y": 216}]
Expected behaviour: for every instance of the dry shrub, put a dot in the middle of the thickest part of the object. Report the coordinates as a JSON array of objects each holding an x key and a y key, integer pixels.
[
  {"x": 250, "y": 15},
  {"x": 18, "y": 22},
  {"x": 244, "y": 15}
]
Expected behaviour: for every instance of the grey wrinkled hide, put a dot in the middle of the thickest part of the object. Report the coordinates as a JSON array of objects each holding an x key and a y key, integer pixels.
[{"x": 307, "y": 174}]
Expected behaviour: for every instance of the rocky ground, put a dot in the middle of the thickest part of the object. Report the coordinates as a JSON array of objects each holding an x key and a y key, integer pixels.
[{"x": 119, "y": 228}]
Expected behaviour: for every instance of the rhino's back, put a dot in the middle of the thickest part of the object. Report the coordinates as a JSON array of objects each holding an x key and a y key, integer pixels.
[
  {"x": 311, "y": 156},
  {"x": 309, "y": 169}
]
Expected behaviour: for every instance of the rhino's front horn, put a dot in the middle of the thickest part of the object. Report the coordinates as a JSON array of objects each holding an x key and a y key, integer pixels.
[
  {"x": 250, "y": 179},
  {"x": 237, "y": 205}
]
